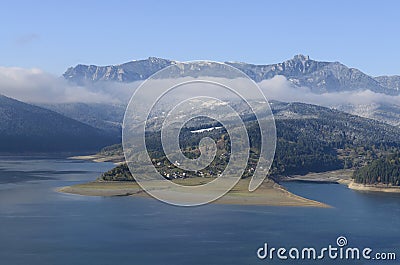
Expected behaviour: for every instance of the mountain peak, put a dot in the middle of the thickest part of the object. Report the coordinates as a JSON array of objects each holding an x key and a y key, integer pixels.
[
  {"x": 301, "y": 57},
  {"x": 157, "y": 59}
]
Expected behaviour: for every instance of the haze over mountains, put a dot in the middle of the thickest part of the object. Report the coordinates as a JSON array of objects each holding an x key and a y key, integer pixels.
[{"x": 28, "y": 128}]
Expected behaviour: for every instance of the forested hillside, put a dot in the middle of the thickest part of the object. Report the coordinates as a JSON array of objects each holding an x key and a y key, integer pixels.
[
  {"x": 385, "y": 170},
  {"x": 28, "y": 128},
  {"x": 309, "y": 139}
]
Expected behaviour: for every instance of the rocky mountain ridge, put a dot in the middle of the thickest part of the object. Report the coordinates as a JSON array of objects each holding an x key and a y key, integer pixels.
[{"x": 320, "y": 77}]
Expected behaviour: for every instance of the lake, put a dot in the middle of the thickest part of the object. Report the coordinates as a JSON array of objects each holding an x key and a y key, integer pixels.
[{"x": 40, "y": 226}]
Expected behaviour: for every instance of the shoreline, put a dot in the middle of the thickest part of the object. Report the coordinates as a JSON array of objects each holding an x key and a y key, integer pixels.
[
  {"x": 342, "y": 176},
  {"x": 268, "y": 194},
  {"x": 98, "y": 158},
  {"x": 373, "y": 188}
]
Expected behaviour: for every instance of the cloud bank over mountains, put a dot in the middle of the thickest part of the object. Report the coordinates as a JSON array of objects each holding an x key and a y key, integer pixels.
[
  {"x": 279, "y": 88},
  {"x": 37, "y": 86}
]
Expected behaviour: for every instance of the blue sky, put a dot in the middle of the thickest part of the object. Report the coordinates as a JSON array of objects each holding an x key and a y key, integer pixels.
[{"x": 54, "y": 35}]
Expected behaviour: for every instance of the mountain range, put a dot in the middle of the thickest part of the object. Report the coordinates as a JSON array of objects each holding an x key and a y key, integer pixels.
[
  {"x": 66, "y": 127},
  {"x": 320, "y": 77}
]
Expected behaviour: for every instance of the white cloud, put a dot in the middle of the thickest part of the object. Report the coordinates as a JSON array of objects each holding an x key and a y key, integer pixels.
[
  {"x": 36, "y": 86},
  {"x": 279, "y": 88}
]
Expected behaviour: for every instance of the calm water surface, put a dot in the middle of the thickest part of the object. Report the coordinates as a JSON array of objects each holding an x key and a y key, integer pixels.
[{"x": 40, "y": 226}]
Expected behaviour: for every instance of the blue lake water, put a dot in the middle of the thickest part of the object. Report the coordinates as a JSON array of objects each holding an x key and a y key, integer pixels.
[{"x": 41, "y": 226}]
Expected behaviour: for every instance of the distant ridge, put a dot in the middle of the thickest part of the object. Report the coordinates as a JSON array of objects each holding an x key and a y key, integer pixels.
[
  {"x": 127, "y": 72},
  {"x": 319, "y": 76}
]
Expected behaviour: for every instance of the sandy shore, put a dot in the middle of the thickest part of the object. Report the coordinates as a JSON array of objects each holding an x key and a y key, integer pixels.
[
  {"x": 269, "y": 193},
  {"x": 100, "y": 158},
  {"x": 342, "y": 176},
  {"x": 374, "y": 188}
]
